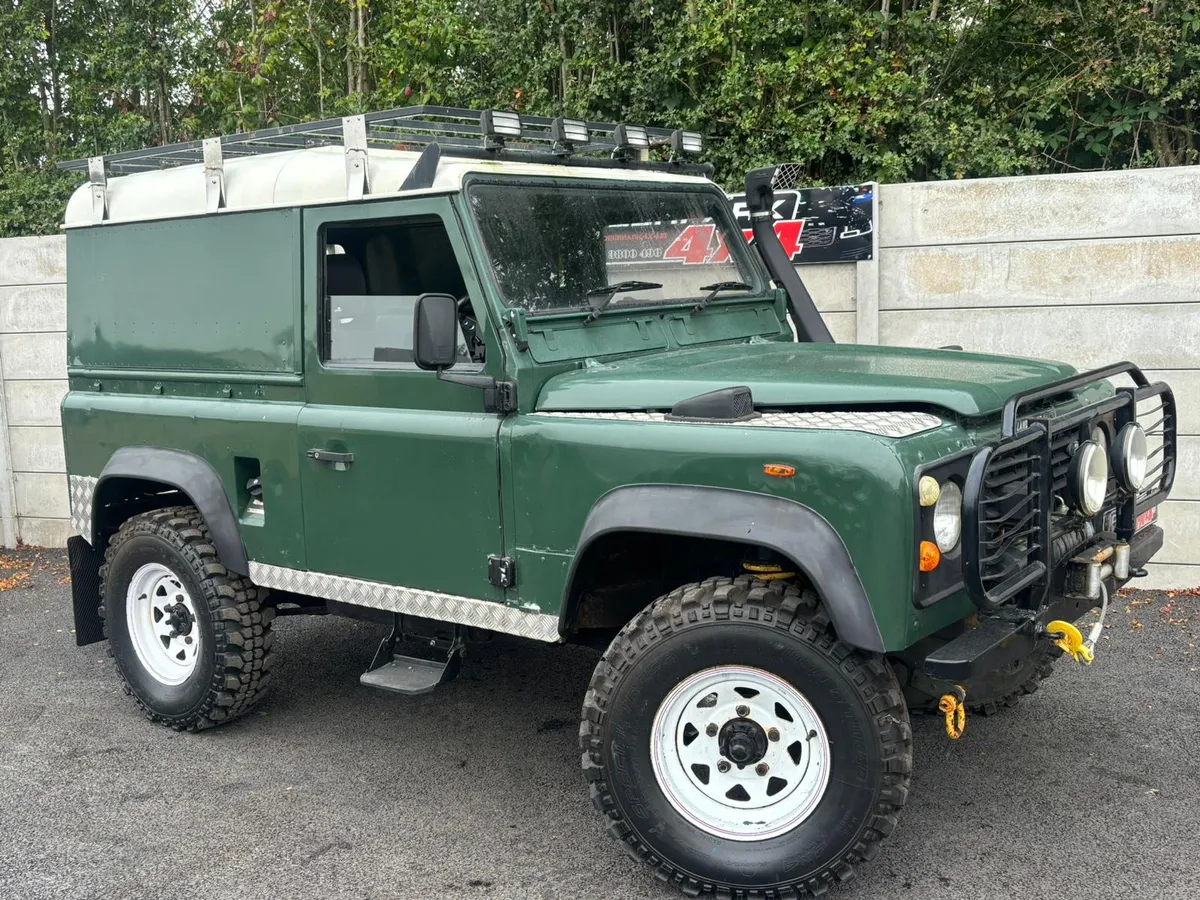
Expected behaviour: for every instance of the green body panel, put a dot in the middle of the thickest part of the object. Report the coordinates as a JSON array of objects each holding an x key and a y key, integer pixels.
[
  {"x": 203, "y": 335},
  {"x": 420, "y": 504},
  {"x": 186, "y": 295},
  {"x": 831, "y": 375},
  {"x": 219, "y": 430},
  {"x": 857, "y": 482}
]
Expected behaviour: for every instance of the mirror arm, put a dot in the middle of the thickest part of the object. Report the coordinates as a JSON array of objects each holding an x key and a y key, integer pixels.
[{"x": 498, "y": 396}]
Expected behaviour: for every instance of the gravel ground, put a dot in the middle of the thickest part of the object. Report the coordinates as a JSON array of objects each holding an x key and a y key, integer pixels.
[{"x": 1090, "y": 788}]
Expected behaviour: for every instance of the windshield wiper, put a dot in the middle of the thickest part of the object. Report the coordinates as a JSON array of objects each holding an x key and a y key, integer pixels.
[
  {"x": 717, "y": 288},
  {"x": 606, "y": 292}
]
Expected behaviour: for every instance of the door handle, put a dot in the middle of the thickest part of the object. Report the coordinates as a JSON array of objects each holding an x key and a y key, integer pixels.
[{"x": 339, "y": 460}]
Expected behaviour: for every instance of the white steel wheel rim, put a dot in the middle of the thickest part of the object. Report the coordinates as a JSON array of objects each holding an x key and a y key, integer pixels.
[
  {"x": 161, "y": 617},
  {"x": 747, "y": 802}
]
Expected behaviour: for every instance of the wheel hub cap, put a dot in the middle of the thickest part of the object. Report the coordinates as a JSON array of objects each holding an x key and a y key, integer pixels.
[
  {"x": 743, "y": 742},
  {"x": 161, "y": 616},
  {"x": 740, "y": 753}
]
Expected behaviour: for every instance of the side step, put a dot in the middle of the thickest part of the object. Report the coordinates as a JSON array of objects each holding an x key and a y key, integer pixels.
[
  {"x": 408, "y": 675},
  {"x": 412, "y": 675}
]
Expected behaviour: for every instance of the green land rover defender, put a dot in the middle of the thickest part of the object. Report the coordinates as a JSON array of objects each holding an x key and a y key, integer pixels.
[{"x": 472, "y": 373}]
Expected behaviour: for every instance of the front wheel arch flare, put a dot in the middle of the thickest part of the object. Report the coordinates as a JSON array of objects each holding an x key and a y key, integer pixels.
[
  {"x": 191, "y": 475},
  {"x": 791, "y": 529}
]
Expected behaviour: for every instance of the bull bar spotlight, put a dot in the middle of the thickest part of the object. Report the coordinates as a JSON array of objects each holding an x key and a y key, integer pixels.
[{"x": 1130, "y": 456}]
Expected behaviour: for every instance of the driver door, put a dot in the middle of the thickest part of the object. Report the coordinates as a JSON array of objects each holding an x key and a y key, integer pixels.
[{"x": 399, "y": 469}]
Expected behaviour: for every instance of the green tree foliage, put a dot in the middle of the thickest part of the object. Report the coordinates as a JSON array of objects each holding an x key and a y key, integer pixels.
[{"x": 852, "y": 89}]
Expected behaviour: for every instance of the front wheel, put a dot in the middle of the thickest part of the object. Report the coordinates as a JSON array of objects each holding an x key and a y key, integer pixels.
[{"x": 734, "y": 744}]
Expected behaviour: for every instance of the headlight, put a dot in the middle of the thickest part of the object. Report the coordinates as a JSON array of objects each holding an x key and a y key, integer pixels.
[
  {"x": 947, "y": 517},
  {"x": 1089, "y": 477},
  {"x": 1131, "y": 455}
]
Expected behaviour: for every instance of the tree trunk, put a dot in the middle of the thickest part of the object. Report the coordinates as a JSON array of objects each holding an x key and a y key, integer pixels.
[
  {"x": 362, "y": 45},
  {"x": 318, "y": 45},
  {"x": 52, "y": 62},
  {"x": 164, "y": 106},
  {"x": 350, "y": 81}
]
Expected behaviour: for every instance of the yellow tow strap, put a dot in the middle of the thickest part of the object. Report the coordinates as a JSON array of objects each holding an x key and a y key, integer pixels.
[{"x": 767, "y": 571}]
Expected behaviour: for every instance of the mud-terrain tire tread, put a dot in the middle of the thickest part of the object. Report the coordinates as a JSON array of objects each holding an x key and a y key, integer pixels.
[
  {"x": 240, "y": 615},
  {"x": 789, "y": 608}
]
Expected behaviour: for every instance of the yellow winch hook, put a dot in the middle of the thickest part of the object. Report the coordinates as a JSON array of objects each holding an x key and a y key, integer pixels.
[
  {"x": 1070, "y": 641},
  {"x": 954, "y": 706}
]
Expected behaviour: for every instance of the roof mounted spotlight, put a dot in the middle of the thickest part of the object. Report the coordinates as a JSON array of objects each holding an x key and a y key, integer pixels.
[
  {"x": 568, "y": 134},
  {"x": 497, "y": 127},
  {"x": 685, "y": 142},
  {"x": 630, "y": 140}
]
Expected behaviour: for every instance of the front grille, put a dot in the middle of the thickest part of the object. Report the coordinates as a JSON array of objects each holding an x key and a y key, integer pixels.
[
  {"x": 1011, "y": 509},
  {"x": 1017, "y": 520}
]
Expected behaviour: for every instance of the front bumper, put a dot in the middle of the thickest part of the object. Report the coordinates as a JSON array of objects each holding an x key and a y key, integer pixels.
[{"x": 1012, "y": 633}]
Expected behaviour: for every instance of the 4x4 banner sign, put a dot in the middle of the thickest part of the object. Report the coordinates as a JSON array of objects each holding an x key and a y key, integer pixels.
[
  {"x": 815, "y": 225},
  {"x": 820, "y": 225}
]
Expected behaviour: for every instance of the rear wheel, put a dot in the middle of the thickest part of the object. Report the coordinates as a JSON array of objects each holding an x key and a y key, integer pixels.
[
  {"x": 735, "y": 745},
  {"x": 191, "y": 640}
]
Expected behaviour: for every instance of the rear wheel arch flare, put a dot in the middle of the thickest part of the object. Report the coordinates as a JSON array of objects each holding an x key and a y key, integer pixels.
[
  {"x": 155, "y": 469},
  {"x": 794, "y": 531}
]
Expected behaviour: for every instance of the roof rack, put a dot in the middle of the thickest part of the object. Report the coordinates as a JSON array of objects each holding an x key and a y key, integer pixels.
[
  {"x": 479, "y": 134},
  {"x": 474, "y": 134}
]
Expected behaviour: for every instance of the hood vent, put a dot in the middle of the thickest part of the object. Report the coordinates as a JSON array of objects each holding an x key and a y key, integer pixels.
[{"x": 731, "y": 404}]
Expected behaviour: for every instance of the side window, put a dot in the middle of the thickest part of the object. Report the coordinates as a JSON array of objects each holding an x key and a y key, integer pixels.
[{"x": 373, "y": 274}]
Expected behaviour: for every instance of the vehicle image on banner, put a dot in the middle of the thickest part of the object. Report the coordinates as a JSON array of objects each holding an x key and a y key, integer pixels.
[{"x": 515, "y": 378}]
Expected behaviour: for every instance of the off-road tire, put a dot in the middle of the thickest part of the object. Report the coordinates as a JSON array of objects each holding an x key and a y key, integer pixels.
[
  {"x": 995, "y": 691},
  {"x": 233, "y": 669},
  {"x": 687, "y": 627}
]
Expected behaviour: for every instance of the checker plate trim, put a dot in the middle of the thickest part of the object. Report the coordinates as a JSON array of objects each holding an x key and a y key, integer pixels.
[
  {"x": 82, "y": 493},
  {"x": 409, "y": 601},
  {"x": 894, "y": 424}
]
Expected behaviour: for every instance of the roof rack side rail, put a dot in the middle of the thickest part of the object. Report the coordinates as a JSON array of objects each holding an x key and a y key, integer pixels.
[{"x": 459, "y": 132}]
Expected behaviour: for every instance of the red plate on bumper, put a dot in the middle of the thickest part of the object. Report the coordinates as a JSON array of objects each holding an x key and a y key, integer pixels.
[{"x": 1146, "y": 518}]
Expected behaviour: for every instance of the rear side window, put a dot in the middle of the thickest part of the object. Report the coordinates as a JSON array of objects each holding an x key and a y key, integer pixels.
[{"x": 373, "y": 274}]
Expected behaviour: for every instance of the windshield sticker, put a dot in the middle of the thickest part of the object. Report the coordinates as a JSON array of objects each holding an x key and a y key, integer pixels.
[{"x": 820, "y": 225}]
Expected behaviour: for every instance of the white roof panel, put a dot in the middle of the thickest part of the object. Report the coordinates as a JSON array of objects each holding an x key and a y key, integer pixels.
[{"x": 307, "y": 178}]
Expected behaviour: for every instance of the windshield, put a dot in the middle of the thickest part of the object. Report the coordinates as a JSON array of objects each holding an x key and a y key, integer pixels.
[{"x": 551, "y": 244}]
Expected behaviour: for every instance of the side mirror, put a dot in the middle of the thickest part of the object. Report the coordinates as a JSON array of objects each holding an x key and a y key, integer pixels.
[{"x": 435, "y": 331}]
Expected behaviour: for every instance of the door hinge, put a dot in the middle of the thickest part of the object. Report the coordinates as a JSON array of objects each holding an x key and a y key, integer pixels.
[
  {"x": 501, "y": 398},
  {"x": 502, "y": 571}
]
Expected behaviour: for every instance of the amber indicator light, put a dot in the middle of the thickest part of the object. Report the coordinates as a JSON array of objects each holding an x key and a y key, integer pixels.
[
  {"x": 930, "y": 556},
  {"x": 779, "y": 470}
]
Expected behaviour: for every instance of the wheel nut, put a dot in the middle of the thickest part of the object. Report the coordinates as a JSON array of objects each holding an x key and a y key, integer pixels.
[
  {"x": 773, "y": 734},
  {"x": 743, "y": 711},
  {"x": 762, "y": 769},
  {"x": 711, "y": 730},
  {"x": 723, "y": 766}
]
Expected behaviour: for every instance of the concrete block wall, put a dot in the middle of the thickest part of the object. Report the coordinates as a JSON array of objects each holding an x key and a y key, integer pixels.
[
  {"x": 33, "y": 373},
  {"x": 1088, "y": 268}
]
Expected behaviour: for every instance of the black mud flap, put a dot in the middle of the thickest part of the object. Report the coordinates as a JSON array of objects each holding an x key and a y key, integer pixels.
[{"x": 85, "y": 563}]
